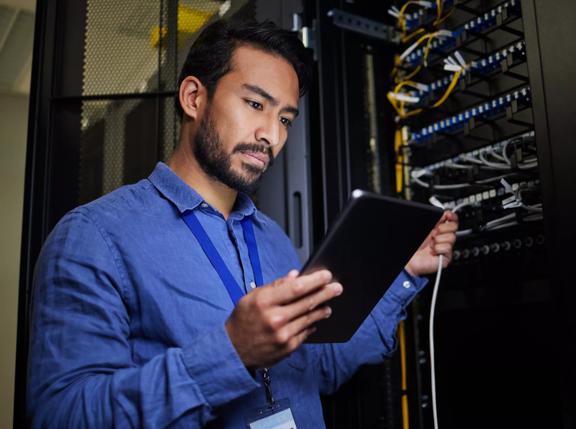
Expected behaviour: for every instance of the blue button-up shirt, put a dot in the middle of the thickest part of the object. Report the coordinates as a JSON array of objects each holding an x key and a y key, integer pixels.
[{"x": 128, "y": 318}]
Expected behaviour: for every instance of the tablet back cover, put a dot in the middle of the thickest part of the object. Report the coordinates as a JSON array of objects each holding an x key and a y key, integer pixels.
[{"x": 367, "y": 247}]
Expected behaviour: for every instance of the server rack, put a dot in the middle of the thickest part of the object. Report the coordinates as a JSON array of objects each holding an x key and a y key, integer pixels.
[{"x": 490, "y": 136}]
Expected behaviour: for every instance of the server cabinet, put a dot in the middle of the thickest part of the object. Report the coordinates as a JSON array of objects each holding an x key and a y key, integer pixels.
[{"x": 464, "y": 102}]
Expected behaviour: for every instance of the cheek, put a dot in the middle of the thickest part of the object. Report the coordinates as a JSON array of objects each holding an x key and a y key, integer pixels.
[{"x": 234, "y": 129}]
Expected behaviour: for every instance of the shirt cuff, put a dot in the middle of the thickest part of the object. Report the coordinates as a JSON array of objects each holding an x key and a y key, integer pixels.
[
  {"x": 214, "y": 364},
  {"x": 406, "y": 287}
]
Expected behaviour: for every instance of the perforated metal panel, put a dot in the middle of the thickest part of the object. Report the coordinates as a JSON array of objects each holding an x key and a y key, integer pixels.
[
  {"x": 132, "y": 57},
  {"x": 118, "y": 56},
  {"x": 122, "y": 142}
]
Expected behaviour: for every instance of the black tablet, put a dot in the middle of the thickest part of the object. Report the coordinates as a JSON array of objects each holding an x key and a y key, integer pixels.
[{"x": 368, "y": 245}]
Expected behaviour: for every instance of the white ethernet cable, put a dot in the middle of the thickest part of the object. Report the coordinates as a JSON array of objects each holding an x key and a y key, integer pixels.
[
  {"x": 434, "y": 201},
  {"x": 431, "y": 338}
]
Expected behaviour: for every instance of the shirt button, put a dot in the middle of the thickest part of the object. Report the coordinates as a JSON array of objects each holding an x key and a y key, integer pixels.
[
  {"x": 252, "y": 285},
  {"x": 204, "y": 205},
  {"x": 406, "y": 284}
]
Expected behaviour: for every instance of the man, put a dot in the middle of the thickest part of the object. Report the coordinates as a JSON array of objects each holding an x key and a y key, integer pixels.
[{"x": 145, "y": 307}]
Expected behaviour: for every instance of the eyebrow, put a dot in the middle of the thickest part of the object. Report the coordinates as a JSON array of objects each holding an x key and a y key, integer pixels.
[{"x": 273, "y": 101}]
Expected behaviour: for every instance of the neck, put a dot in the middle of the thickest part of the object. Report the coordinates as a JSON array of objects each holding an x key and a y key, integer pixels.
[{"x": 215, "y": 193}]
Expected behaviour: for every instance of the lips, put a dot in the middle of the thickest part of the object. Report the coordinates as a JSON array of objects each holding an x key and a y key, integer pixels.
[{"x": 258, "y": 158}]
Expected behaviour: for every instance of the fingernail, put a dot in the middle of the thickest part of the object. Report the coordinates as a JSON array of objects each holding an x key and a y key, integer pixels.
[
  {"x": 337, "y": 288},
  {"x": 328, "y": 312}
]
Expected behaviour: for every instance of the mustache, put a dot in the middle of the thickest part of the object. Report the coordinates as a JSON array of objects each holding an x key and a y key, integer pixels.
[{"x": 255, "y": 147}]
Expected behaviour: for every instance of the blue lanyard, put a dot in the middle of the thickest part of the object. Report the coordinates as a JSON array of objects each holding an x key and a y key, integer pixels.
[{"x": 234, "y": 290}]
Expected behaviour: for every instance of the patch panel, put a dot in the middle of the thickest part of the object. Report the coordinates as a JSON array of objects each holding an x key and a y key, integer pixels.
[
  {"x": 511, "y": 55},
  {"x": 424, "y": 16},
  {"x": 490, "y": 20},
  {"x": 485, "y": 185},
  {"x": 479, "y": 222},
  {"x": 487, "y": 110},
  {"x": 498, "y": 208},
  {"x": 501, "y": 147},
  {"x": 495, "y": 195}
]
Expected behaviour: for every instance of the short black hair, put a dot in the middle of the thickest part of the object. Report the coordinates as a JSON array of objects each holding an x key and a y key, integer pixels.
[{"x": 210, "y": 54}]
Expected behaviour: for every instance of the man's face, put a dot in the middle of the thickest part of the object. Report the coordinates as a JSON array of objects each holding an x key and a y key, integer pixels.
[{"x": 245, "y": 125}]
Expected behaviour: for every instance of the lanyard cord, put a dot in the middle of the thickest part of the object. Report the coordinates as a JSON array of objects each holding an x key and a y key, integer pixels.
[
  {"x": 234, "y": 290},
  {"x": 267, "y": 386}
]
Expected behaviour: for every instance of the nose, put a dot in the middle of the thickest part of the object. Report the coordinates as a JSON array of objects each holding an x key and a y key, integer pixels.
[{"x": 268, "y": 131}]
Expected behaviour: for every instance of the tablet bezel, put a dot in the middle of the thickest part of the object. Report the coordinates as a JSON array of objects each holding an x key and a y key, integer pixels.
[{"x": 364, "y": 210}]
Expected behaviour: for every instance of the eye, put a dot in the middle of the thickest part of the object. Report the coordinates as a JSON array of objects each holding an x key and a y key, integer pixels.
[
  {"x": 286, "y": 122},
  {"x": 254, "y": 104}
]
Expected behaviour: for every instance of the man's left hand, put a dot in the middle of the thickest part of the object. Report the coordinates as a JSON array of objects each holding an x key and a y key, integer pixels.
[{"x": 439, "y": 242}]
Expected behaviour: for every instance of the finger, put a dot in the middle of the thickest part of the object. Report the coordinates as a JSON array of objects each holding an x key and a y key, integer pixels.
[
  {"x": 310, "y": 302},
  {"x": 447, "y": 227},
  {"x": 292, "y": 289},
  {"x": 445, "y": 238},
  {"x": 293, "y": 274},
  {"x": 297, "y": 340},
  {"x": 443, "y": 248},
  {"x": 446, "y": 216},
  {"x": 306, "y": 321}
]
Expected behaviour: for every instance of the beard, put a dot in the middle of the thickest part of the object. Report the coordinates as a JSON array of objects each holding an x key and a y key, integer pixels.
[{"x": 215, "y": 162}]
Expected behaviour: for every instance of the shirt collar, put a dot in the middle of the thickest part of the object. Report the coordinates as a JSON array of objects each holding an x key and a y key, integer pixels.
[{"x": 184, "y": 197}]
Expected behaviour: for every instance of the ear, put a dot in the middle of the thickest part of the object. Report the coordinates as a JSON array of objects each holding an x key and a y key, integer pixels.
[{"x": 192, "y": 96}]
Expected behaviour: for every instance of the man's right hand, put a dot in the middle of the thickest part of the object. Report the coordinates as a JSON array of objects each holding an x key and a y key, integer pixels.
[{"x": 272, "y": 321}]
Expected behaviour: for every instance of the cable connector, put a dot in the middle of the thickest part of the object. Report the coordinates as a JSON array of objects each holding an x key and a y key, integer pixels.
[
  {"x": 394, "y": 11},
  {"x": 456, "y": 64},
  {"x": 515, "y": 200},
  {"x": 416, "y": 173},
  {"x": 436, "y": 202},
  {"x": 404, "y": 97}
]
